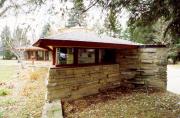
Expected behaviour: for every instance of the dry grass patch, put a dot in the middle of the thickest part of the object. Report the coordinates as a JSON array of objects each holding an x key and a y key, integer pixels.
[
  {"x": 37, "y": 73},
  {"x": 34, "y": 90},
  {"x": 124, "y": 103}
]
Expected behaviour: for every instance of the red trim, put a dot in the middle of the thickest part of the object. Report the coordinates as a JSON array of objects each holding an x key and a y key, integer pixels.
[
  {"x": 152, "y": 46},
  {"x": 54, "y": 56},
  {"x": 69, "y": 43}
]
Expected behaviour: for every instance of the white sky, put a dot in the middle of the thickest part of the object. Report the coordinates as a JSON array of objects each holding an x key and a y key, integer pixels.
[{"x": 40, "y": 17}]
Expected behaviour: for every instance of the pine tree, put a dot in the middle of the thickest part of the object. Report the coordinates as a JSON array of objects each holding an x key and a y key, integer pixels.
[
  {"x": 76, "y": 15},
  {"x": 45, "y": 30},
  {"x": 6, "y": 38},
  {"x": 111, "y": 24}
]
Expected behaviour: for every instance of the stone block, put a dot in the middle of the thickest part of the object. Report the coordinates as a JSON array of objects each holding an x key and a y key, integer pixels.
[{"x": 52, "y": 110}]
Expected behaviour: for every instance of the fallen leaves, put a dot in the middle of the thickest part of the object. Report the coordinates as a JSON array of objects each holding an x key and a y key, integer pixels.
[{"x": 117, "y": 103}]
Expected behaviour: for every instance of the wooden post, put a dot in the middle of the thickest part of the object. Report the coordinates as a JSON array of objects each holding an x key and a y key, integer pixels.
[
  {"x": 97, "y": 56},
  {"x": 54, "y": 56},
  {"x": 75, "y": 56}
]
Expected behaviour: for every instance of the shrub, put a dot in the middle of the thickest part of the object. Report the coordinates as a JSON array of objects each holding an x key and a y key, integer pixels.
[
  {"x": 172, "y": 54},
  {"x": 34, "y": 75},
  {"x": 8, "y": 55},
  {"x": 4, "y": 91},
  {"x": 37, "y": 74}
]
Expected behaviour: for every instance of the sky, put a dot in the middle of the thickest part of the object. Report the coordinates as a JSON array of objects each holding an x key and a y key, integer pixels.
[{"x": 42, "y": 16}]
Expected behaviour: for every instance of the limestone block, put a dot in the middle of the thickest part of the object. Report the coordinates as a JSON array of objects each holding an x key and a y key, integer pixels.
[
  {"x": 52, "y": 110},
  {"x": 85, "y": 91},
  {"x": 157, "y": 83},
  {"x": 59, "y": 93},
  {"x": 148, "y": 50}
]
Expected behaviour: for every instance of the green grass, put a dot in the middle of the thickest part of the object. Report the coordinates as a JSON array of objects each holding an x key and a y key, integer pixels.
[
  {"x": 4, "y": 91},
  {"x": 8, "y": 101},
  {"x": 6, "y": 72},
  {"x": 1, "y": 114}
]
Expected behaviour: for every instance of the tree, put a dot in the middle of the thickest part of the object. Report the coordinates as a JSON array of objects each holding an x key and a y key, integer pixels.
[
  {"x": 18, "y": 5},
  {"x": 11, "y": 43},
  {"x": 148, "y": 12},
  {"x": 6, "y": 37},
  {"x": 76, "y": 15},
  {"x": 111, "y": 24},
  {"x": 152, "y": 34},
  {"x": 45, "y": 30},
  {"x": 19, "y": 39},
  {"x": 142, "y": 35}
]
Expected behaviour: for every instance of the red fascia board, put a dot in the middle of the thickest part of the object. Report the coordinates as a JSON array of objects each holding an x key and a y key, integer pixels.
[
  {"x": 152, "y": 46},
  {"x": 69, "y": 43}
]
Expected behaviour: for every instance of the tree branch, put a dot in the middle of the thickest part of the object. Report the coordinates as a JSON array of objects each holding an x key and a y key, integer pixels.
[{"x": 90, "y": 6}]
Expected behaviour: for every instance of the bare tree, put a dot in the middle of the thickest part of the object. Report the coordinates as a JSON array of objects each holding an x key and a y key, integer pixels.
[{"x": 12, "y": 43}]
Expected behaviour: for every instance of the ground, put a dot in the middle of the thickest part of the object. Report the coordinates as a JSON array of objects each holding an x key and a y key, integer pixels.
[{"x": 22, "y": 95}]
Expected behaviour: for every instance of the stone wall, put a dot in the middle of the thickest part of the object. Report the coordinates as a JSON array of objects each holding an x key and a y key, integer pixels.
[
  {"x": 143, "y": 66},
  {"x": 140, "y": 67},
  {"x": 129, "y": 65},
  {"x": 153, "y": 67},
  {"x": 73, "y": 83}
]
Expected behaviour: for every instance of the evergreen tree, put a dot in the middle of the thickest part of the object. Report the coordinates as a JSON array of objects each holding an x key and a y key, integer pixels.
[
  {"x": 45, "y": 30},
  {"x": 76, "y": 15},
  {"x": 6, "y": 39},
  {"x": 111, "y": 24}
]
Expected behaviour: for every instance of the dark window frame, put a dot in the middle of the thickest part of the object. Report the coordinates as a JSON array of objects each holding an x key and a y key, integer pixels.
[{"x": 75, "y": 60}]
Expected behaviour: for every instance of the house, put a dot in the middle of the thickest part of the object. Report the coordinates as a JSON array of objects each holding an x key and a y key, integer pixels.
[
  {"x": 35, "y": 53},
  {"x": 86, "y": 63}
]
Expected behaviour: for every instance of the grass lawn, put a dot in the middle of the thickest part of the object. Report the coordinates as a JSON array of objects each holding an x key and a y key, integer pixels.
[{"x": 6, "y": 72}]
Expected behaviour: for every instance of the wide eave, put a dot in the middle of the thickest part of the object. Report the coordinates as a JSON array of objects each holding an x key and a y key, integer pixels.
[{"x": 46, "y": 43}]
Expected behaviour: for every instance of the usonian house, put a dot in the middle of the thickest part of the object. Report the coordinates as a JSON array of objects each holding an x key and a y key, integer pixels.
[
  {"x": 35, "y": 53},
  {"x": 86, "y": 63}
]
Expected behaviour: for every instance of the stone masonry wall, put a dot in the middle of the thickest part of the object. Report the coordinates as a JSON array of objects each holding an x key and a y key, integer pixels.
[
  {"x": 153, "y": 67},
  {"x": 73, "y": 83},
  {"x": 128, "y": 61},
  {"x": 143, "y": 66},
  {"x": 140, "y": 67}
]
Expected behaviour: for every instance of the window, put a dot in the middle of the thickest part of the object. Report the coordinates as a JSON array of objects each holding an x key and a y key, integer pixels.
[
  {"x": 65, "y": 55},
  {"x": 86, "y": 56},
  {"x": 107, "y": 56},
  {"x": 40, "y": 55}
]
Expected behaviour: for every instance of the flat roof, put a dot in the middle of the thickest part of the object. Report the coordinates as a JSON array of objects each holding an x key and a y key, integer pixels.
[
  {"x": 83, "y": 38},
  {"x": 30, "y": 48},
  {"x": 87, "y": 36}
]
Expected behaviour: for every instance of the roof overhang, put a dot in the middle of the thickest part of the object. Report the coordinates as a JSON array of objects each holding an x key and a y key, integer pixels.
[
  {"x": 47, "y": 43},
  {"x": 31, "y": 48}
]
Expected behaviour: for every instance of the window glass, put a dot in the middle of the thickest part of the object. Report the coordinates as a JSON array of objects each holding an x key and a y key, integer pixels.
[
  {"x": 107, "y": 56},
  {"x": 65, "y": 55},
  {"x": 86, "y": 56},
  {"x": 40, "y": 55}
]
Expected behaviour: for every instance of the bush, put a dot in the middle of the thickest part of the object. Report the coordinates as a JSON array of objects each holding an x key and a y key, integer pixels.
[
  {"x": 37, "y": 74},
  {"x": 34, "y": 75},
  {"x": 4, "y": 91},
  {"x": 8, "y": 55},
  {"x": 172, "y": 54}
]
